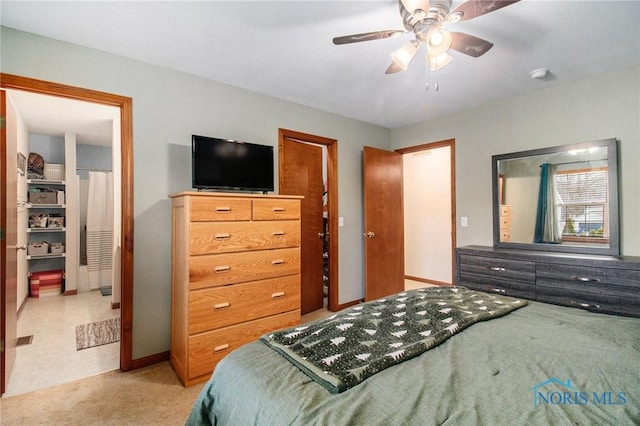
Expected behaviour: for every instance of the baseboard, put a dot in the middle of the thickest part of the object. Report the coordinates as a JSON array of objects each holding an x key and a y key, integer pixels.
[
  {"x": 115, "y": 305},
  {"x": 70, "y": 292},
  {"x": 24, "y": 302},
  {"x": 149, "y": 360}
]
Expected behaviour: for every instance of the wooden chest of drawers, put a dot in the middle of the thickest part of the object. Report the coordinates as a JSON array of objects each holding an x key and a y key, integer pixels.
[{"x": 235, "y": 275}]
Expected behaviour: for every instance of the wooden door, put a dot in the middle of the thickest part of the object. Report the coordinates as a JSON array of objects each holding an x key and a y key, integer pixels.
[
  {"x": 301, "y": 174},
  {"x": 383, "y": 223},
  {"x": 8, "y": 247}
]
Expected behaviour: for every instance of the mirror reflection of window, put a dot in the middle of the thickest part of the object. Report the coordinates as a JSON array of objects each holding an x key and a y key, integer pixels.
[{"x": 583, "y": 199}]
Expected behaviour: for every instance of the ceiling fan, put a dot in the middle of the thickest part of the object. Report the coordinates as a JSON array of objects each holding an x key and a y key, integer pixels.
[{"x": 426, "y": 20}]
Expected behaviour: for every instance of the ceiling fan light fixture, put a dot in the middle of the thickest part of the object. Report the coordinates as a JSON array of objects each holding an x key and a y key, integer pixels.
[
  {"x": 437, "y": 62},
  {"x": 403, "y": 56},
  {"x": 413, "y": 5},
  {"x": 438, "y": 41}
]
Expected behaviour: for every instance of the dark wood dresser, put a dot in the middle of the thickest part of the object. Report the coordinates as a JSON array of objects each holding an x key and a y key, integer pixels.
[{"x": 607, "y": 284}]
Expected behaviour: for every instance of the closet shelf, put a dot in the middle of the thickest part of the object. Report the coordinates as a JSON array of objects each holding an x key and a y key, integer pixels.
[
  {"x": 45, "y": 256},
  {"x": 43, "y": 230}
]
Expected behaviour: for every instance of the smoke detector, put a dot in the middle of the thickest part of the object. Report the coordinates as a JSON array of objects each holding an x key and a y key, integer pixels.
[{"x": 539, "y": 74}]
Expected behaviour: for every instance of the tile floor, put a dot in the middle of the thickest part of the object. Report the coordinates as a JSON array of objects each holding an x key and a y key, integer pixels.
[{"x": 52, "y": 359}]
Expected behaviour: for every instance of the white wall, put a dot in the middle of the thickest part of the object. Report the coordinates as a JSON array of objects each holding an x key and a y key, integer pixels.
[
  {"x": 600, "y": 107},
  {"x": 427, "y": 214},
  {"x": 168, "y": 107}
]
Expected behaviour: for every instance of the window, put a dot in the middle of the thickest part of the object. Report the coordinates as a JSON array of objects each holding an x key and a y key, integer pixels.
[{"x": 583, "y": 205}]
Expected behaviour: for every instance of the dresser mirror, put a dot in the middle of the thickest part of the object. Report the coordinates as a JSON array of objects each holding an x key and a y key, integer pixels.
[{"x": 563, "y": 199}]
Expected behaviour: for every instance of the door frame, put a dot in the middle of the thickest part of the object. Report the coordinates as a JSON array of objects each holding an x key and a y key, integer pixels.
[
  {"x": 451, "y": 143},
  {"x": 332, "y": 202},
  {"x": 125, "y": 104}
]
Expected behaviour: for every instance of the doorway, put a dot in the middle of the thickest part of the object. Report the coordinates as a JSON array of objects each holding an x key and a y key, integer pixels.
[
  {"x": 299, "y": 162},
  {"x": 126, "y": 208},
  {"x": 385, "y": 233},
  {"x": 429, "y": 213}
]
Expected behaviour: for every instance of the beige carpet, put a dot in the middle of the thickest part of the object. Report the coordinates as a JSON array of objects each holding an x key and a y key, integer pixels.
[{"x": 147, "y": 396}]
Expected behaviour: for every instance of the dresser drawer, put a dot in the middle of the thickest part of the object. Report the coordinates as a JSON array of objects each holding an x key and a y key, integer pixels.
[
  {"x": 206, "y": 349},
  {"x": 505, "y": 210},
  {"x": 503, "y": 269},
  {"x": 605, "y": 301},
  {"x": 588, "y": 278},
  {"x": 226, "y": 237},
  {"x": 273, "y": 209},
  {"x": 222, "y": 269},
  {"x": 492, "y": 285},
  {"x": 222, "y": 306},
  {"x": 213, "y": 208},
  {"x": 597, "y": 289}
]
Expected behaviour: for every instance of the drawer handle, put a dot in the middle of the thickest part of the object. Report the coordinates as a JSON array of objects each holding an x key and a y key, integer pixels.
[
  {"x": 585, "y": 305},
  {"x": 223, "y": 209},
  {"x": 221, "y": 269},
  {"x": 221, "y": 347},
  {"x": 499, "y": 290},
  {"x": 222, "y": 236},
  {"x": 221, "y": 305},
  {"x": 277, "y": 295},
  {"x": 585, "y": 279},
  {"x": 277, "y": 262},
  {"x": 496, "y": 268},
  {"x": 278, "y": 209},
  {"x": 278, "y": 233}
]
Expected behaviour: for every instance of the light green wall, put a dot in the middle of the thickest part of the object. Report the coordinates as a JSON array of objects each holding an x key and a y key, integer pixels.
[
  {"x": 168, "y": 107},
  {"x": 600, "y": 107}
]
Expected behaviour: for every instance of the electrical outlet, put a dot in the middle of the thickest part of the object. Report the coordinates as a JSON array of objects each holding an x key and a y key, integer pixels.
[{"x": 463, "y": 222}]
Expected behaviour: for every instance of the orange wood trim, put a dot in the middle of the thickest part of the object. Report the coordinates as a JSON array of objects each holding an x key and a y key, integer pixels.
[
  {"x": 70, "y": 292},
  {"x": 9, "y": 81},
  {"x": 348, "y": 304},
  {"x": 149, "y": 360},
  {"x": 332, "y": 202},
  {"x": 426, "y": 281},
  {"x": 115, "y": 305}
]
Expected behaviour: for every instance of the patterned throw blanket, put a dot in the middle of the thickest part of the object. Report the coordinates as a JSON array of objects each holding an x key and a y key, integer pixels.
[{"x": 344, "y": 349}]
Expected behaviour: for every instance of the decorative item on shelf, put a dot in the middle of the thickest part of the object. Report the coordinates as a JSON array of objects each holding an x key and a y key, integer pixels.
[
  {"x": 22, "y": 164},
  {"x": 35, "y": 166},
  {"x": 54, "y": 171},
  {"x": 38, "y": 247}
]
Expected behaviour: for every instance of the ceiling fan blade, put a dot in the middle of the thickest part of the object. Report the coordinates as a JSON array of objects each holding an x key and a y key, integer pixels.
[
  {"x": 474, "y": 8},
  {"x": 470, "y": 45},
  {"x": 393, "y": 68},
  {"x": 376, "y": 35}
]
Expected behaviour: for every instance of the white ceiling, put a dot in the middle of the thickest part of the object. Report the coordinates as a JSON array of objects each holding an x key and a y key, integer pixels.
[
  {"x": 284, "y": 49},
  {"x": 50, "y": 115}
]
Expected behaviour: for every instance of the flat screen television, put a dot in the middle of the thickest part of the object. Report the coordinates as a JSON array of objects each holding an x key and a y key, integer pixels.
[{"x": 224, "y": 164}]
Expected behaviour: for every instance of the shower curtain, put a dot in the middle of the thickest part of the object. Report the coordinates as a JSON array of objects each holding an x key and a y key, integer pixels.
[{"x": 100, "y": 230}]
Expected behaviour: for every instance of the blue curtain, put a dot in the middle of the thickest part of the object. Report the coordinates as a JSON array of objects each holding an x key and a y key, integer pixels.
[{"x": 547, "y": 225}]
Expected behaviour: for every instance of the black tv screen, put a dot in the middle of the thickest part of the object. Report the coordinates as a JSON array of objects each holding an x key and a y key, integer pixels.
[{"x": 231, "y": 165}]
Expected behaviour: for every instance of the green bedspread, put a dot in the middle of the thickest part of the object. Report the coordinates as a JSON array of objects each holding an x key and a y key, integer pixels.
[
  {"x": 341, "y": 351},
  {"x": 493, "y": 373}
]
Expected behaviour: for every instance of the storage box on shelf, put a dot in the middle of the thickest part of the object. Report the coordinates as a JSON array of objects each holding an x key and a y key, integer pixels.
[
  {"x": 235, "y": 275},
  {"x": 54, "y": 171}
]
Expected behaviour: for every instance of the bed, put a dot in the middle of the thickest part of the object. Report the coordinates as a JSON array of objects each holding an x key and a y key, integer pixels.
[{"x": 537, "y": 364}]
